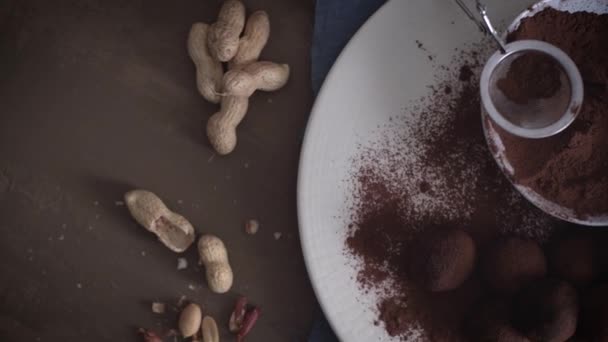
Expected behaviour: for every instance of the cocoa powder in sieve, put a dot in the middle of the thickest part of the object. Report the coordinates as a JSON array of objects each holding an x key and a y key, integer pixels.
[
  {"x": 571, "y": 168},
  {"x": 531, "y": 76}
]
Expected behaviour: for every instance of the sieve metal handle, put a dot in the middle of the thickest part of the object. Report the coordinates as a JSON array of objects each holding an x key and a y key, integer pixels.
[
  {"x": 485, "y": 25},
  {"x": 471, "y": 16},
  {"x": 488, "y": 24}
]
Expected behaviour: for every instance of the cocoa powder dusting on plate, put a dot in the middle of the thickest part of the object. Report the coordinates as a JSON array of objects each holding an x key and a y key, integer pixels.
[
  {"x": 571, "y": 168},
  {"x": 430, "y": 168}
]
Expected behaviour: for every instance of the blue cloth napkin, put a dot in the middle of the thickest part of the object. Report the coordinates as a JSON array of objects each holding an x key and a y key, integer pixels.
[{"x": 336, "y": 21}]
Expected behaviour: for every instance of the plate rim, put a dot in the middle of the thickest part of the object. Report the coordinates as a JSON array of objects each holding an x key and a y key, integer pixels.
[{"x": 304, "y": 151}]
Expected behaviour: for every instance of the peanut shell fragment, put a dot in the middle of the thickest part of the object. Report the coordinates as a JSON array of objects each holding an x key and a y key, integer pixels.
[
  {"x": 209, "y": 330},
  {"x": 172, "y": 229},
  {"x": 190, "y": 320}
]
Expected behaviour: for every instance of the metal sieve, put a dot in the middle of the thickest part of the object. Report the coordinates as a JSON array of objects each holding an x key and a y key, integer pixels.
[{"x": 534, "y": 117}]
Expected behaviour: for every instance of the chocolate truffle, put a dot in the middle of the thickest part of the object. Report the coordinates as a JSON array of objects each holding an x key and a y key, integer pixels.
[
  {"x": 546, "y": 310},
  {"x": 489, "y": 322},
  {"x": 572, "y": 259},
  {"x": 511, "y": 263},
  {"x": 443, "y": 259}
]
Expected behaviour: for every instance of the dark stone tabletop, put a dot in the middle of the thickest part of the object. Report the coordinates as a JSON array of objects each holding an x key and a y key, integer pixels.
[{"x": 98, "y": 97}]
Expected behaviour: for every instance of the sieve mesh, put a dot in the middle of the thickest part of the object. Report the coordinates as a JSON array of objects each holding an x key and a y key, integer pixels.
[{"x": 536, "y": 99}]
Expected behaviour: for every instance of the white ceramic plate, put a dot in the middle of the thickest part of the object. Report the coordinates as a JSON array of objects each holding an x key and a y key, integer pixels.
[{"x": 375, "y": 77}]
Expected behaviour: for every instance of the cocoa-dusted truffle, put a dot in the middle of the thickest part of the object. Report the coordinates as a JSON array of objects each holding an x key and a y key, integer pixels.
[
  {"x": 442, "y": 259},
  {"x": 572, "y": 258},
  {"x": 546, "y": 310},
  {"x": 489, "y": 322},
  {"x": 511, "y": 263}
]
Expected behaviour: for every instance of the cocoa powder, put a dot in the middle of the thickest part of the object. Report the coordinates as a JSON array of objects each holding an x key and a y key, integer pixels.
[
  {"x": 531, "y": 76},
  {"x": 430, "y": 170},
  {"x": 571, "y": 168}
]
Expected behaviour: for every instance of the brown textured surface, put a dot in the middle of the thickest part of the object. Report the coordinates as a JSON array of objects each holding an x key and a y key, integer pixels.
[{"x": 97, "y": 97}]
